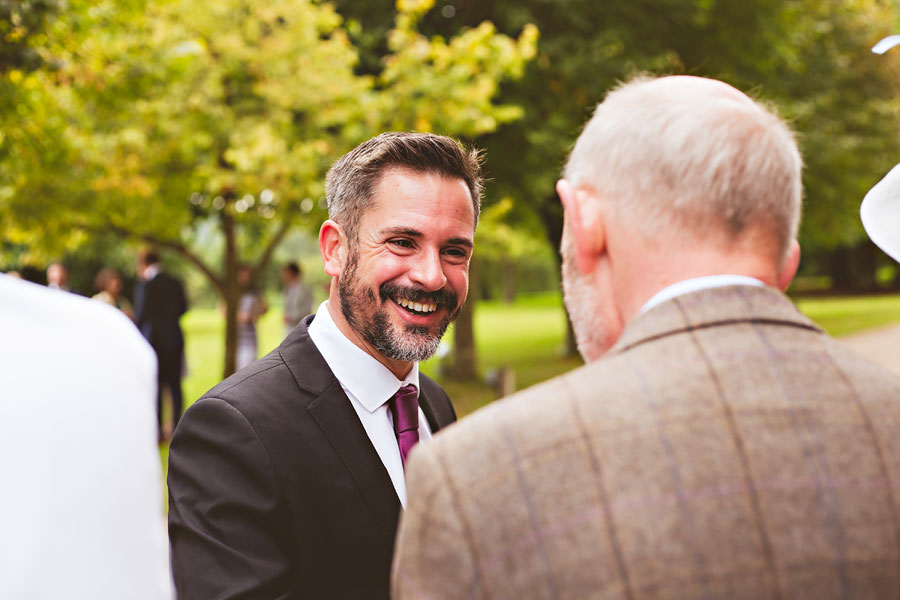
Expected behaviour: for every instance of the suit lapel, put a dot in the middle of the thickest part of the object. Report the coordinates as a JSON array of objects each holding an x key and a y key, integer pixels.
[
  {"x": 340, "y": 424},
  {"x": 334, "y": 415}
]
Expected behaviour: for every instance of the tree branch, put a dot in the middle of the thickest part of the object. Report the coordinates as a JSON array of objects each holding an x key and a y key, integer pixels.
[{"x": 172, "y": 245}]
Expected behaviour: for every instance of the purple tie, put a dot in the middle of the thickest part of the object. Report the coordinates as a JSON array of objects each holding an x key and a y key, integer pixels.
[{"x": 404, "y": 407}]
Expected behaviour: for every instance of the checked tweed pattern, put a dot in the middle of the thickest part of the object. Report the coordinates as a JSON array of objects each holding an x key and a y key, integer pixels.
[{"x": 725, "y": 448}]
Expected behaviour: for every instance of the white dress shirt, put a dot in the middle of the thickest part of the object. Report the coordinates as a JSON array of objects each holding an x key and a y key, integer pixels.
[
  {"x": 696, "y": 284},
  {"x": 369, "y": 385},
  {"x": 81, "y": 513}
]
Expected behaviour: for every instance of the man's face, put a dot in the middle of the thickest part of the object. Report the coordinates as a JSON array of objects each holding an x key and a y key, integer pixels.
[
  {"x": 593, "y": 330},
  {"x": 56, "y": 274},
  {"x": 407, "y": 273}
]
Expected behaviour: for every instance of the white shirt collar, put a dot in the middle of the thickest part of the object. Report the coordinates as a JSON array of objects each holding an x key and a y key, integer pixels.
[
  {"x": 150, "y": 272},
  {"x": 695, "y": 284},
  {"x": 359, "y": 372}
]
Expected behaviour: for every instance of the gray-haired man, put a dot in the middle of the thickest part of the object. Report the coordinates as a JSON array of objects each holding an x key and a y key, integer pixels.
[{"x": 718, "y": 444}]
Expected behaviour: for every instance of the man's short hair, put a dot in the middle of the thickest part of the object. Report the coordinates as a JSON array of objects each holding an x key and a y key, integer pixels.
[
  {"x": 682, "y": 164},
  {"x": 293, "y": 268},
  {"x": 149, "y": 256},
  {"x": 351, "y": 181}
]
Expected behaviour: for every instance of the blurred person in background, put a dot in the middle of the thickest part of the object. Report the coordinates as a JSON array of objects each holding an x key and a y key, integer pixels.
[
  {"x": 108, "y": 283},
  {"x": 159, "y": 303},
  {"x": 81, "y": 513},
  {"x": 297, "y": 296},
  {"x": 58, "y": 277},
  {"x": 251, "y": 307}
]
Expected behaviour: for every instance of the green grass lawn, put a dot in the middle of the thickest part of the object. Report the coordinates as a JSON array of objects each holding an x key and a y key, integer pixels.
[
  {"x": 844, "y": 315},
  {"x": 526, "y": 336}
]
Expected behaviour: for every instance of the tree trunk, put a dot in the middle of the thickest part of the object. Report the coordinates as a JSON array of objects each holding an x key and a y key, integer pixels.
[
  {"x": 465, "y": 358},
  {"x": 852, "y": 268},
  {"x": 232, "y": 292},
  {"x": 232, "y": 299},
  {"x": 866, "y": 264}
]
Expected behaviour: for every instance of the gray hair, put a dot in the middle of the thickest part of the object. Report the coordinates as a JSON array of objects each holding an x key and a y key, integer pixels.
[
  {"x": 681, "y": 163},
  {"x": 351, "y": 181}
]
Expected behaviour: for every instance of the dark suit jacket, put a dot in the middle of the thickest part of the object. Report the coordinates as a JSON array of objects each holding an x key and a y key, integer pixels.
[
  {"x": 275, "y": 490},
  {"x": 159, "y": 304},
  {"x": 725, "y": 447}
]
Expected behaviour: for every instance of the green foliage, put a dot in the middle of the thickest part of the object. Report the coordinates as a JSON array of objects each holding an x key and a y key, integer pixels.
[
  {"x": 810, "y": 58},
  {"x": 22, "y": 27},
  {"x": 510, "y": 254},
  {"x": 172, "y": 117}
]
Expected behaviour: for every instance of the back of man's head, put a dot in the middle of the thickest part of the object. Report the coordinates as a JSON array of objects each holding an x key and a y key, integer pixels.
[{"x": 692, "y": 160}]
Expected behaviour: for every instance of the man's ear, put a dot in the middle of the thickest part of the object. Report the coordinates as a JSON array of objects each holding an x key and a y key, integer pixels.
[
  {"x": 789, "y": 268},
  {"x": 585, "y": 222},
  {"x": 333, "y": 246}
]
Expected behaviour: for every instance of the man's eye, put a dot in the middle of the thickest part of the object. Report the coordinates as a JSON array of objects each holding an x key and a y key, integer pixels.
[
  {"x": 456, "y": 252},
  {"x": 401, "y": 243}
]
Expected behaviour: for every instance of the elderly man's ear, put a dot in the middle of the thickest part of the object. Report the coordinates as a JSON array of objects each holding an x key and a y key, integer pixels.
[
  {"x": 789, "y": 268},
  {"x": 584, "y": 219},
  {"x": 333, "y": 246}
]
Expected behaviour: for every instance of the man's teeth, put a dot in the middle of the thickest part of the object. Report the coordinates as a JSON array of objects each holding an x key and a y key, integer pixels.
[{"x": 417, "y": 306}]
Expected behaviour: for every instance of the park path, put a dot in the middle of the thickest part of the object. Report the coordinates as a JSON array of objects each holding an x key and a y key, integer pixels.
[{"x": 881, "y": 346}]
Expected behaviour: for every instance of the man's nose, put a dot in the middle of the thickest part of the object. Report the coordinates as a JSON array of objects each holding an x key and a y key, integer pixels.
[{"x": 428, "y": 271}]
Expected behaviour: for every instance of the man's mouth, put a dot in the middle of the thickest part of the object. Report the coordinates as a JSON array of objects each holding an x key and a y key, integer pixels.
[
  {"x": 417, "y": 308},
  {"x": 417, "y": 302}
]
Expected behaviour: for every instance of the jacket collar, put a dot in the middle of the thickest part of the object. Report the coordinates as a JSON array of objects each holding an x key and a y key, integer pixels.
[
  {"x": 312, "y": 374},
  {"x": 711, "y": 307},
  {"x": 335, "y": 417}
]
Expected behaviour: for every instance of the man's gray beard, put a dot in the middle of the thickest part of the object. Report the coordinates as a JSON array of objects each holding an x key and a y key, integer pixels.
[
  {"x": 413, "y": 344},
  {"x": 591, "y": 334}
]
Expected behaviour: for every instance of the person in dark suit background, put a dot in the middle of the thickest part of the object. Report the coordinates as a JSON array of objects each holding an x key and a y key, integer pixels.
[
  {"x": 718, "y": 444},
  {"x": 159, "y": 302},
  {"x": 287, "y": 479}
]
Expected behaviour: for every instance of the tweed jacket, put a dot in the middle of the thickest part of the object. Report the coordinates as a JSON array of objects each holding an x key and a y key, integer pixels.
[
  {"x": 275, "y": 490},
  {"x": 725, "y": 447}
]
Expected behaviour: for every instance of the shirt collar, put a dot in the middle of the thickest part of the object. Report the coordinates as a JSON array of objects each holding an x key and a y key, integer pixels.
[
  {"x": 695, "y": 284},
  {"x": 150, "y": 272},
  {"x": 358, "y": 372}
]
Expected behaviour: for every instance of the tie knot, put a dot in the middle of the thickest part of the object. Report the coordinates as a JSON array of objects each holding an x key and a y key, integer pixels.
[{"x": 404, "y": 407}]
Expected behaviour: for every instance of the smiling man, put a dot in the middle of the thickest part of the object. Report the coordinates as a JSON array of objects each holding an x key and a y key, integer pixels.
[{"x": 286, "y": 480}]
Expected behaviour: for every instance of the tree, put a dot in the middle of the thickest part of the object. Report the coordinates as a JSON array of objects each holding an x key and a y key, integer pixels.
[
  {"x": 809, "y": 58},
  {"x": 184, "y": 115}
]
